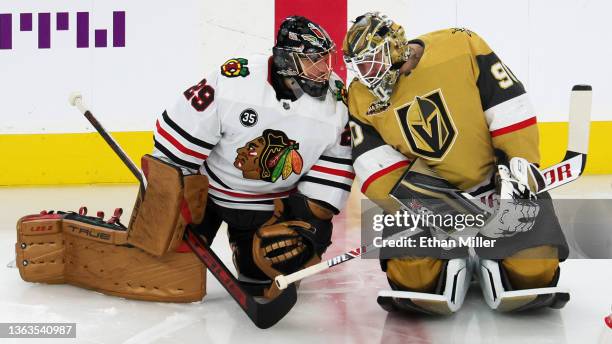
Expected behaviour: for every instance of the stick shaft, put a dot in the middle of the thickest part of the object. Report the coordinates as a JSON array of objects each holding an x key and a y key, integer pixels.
[{"x": 121, "y": 154}]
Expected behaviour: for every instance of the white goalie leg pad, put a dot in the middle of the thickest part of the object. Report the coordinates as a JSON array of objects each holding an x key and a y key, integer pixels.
[
  {"x": 456, "y": 285},
  {"x": 500, "y": 299}
]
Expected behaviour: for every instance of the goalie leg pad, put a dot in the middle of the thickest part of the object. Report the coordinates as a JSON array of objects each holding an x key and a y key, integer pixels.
[
  {"x": 499, "y": 295},
  {"x": 89, "y": 253},
  {"x": 419, "y": 274},
  {"x": 532, "y": 268},
  {"x": 171, "y": 202}
]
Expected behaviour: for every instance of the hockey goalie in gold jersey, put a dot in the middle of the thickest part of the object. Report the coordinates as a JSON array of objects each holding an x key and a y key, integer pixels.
[{"x": 446, "y": 102}]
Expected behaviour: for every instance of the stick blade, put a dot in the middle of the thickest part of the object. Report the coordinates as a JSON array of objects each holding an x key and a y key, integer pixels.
[
  {"x": 579, "y": 119},
  {"x": 265, "y": 315}
]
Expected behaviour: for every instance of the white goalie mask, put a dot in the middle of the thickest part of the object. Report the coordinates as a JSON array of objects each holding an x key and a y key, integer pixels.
[{"x": 373, "y": 67}]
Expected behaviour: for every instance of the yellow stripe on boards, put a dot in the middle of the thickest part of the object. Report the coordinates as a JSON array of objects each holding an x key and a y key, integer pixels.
[
  {"x": 52, "y": 159},
  {"x": 553, "y": 143},
  {"x": 55, "y": 159}
]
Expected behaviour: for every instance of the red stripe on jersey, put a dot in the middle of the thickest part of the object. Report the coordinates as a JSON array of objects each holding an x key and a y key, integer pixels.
[
  {"x": 382, "y": 172},
  {"x": 333, "y": 171},
  {"x": 514, "y": 127},
  {"x": 241, "y": 195},
  {"x": 177, "y": 144}
]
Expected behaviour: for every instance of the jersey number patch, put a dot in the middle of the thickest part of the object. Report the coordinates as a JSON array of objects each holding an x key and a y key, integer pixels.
[
  {"x": 503, "y": 75},
  {"x": 356, "y": 133},
  {"x": 200, "y": 95},
  {"x": 248, "y": 118}
]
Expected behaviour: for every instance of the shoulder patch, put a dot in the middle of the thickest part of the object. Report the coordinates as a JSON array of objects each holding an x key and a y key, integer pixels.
[
  {"x": 377, "y": 106},
  {"x": 341, "y": 93},
  {"x": 235, "y": 67}
]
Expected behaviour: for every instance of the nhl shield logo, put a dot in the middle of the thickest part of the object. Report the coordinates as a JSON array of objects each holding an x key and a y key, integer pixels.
[{"x": 427, "y": 125}]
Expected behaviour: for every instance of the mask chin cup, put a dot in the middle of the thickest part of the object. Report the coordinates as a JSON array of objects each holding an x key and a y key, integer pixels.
[
  {"x": 294, "y": 87},
  {"x": 384, "y": 88},
  {"x": 300, "y": 86}
]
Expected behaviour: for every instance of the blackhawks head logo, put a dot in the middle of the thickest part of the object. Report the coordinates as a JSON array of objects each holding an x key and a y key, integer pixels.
[
  {"x": 269, "y": 156},
  {"x": 235, "y": 67}
]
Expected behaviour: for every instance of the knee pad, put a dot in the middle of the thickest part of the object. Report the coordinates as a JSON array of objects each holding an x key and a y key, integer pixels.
[
  {"x": 532, "y": 268},
  {"x": 88, "y": 252},
  {"x": 420, "y": 274}
]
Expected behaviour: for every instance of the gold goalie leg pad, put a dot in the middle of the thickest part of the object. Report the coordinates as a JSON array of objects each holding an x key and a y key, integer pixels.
[
  {"x": 171, "y": 202},
  {"x": 532, "y": 268},
  {"x": 87, "y": 252},
  {"x": 418, "y": 274}
]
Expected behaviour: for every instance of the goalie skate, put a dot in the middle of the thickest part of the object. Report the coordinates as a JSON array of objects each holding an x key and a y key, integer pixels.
[
  {"x": 500, "y": 299},
  {"x": 452, "y": 288}
]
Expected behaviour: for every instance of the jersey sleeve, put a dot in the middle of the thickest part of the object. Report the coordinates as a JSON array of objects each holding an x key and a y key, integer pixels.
[
  {"x": 378, "y": 166},
  {"x": 510, "y": 116},
  {"x": 331, "y": 177},
  {"x": 186, "y": 132}
]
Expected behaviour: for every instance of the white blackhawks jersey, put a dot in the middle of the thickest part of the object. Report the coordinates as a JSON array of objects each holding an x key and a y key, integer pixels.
[{"x": 253, "y": 147}]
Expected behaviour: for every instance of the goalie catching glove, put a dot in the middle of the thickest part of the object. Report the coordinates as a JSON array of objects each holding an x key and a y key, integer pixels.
[
  {"x": 517, "y": 187},
  {"x": 295, "y": 238}
]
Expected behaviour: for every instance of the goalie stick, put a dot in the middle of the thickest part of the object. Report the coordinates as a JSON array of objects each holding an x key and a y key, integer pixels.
[
  {"x": 263, "y": 314},
  {"x": 569, "y": 169}
]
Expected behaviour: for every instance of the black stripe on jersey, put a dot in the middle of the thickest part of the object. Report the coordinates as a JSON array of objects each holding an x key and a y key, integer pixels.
[
  {"x": 336, "y": 160},
  {"x": 241, "y": 202},
  {"x": 326, "y": 182},
  {"x": 370, "y": 140},
  {"x": 491, "y": 93},
  {"x": 214, "y": 176},
  {"x": 185, "y": 134},
  {"x": 326, "y": 205},
  {"x": 486, "y": 187},
  {"x": 174, "y": 158}
]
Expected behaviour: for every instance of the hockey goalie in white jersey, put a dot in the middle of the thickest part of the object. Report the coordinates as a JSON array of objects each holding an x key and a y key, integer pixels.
[
  {"x": 261, "y": 143},
  {"x": 263, "y": 129}
]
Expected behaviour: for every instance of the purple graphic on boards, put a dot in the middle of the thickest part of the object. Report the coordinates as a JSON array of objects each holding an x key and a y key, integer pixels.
[
  {"x": 44, "y": 30},
  {"x": 25, "y": 22},
  {"x": 62, "y": 23},
  {"x": 82, "y": 33},
  {"x": 6, "y": 31}
]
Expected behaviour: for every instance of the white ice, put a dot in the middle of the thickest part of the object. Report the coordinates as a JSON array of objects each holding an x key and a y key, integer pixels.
[{"x": 338, "y": 306}]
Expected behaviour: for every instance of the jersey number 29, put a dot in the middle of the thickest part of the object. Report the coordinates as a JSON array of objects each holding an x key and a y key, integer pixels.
[{"x": 201, "y": 95}]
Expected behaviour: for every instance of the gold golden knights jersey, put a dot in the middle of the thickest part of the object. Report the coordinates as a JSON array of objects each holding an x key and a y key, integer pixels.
[
  {"x": 253, "y": 147},
  {"x": 458, "y": 105}
]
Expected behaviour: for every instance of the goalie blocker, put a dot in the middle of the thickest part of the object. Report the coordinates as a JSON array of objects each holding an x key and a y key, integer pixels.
[{"x": 142, "y": 262}]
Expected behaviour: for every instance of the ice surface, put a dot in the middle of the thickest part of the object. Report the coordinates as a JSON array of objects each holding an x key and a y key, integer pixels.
[{"x": 338, "y": 306}]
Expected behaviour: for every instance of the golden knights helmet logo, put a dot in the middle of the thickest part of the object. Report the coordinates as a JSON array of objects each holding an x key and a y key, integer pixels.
[{"x": 427, "y": 125}]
